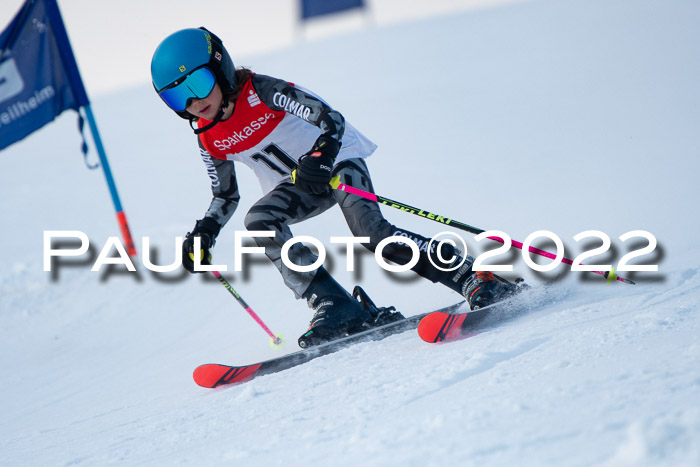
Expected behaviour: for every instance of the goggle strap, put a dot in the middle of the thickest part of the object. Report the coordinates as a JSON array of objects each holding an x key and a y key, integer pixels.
[{"x": 216, "y": 120}]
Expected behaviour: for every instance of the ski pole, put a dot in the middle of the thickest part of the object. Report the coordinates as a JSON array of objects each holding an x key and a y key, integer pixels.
[
  {"x": 277, "y": 340},
  {"x": 337, "y": 185}
]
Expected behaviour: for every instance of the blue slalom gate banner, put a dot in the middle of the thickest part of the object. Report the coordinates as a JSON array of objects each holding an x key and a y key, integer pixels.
[
  {"x": 39, "y": 77},
  {"x": 313, "y": 8}
]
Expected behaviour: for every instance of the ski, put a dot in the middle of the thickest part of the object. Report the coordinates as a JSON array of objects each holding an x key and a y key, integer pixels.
[
  {"x": 212, "y": 375},
  {"x": 446, "y": 325},
  {"x": 450, "y": 325}
]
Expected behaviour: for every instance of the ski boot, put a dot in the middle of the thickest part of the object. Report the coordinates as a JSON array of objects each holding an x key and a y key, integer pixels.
[
  {"x": 336, "y": 313},
  {"x": 480, "y": 288},
  {"x": 380, "y": 316},
  {"x": 483, "y": 288}
]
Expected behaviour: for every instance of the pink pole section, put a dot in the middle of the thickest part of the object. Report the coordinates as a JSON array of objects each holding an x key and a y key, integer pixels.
[
  {"x": 358, "y": 192},
  {"x": 608, "y": 275},
  {"x": 276, "y": 340},
  {"x": 337, "y": 185}
]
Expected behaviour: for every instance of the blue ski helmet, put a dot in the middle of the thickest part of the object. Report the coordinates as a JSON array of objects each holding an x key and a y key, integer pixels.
[{"x": 185, "y": 51}]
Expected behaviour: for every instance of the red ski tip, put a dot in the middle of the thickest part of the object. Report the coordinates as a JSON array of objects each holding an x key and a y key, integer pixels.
[
  {"x": 213, "y": 375},
  {"x": 439, "y": 326}
]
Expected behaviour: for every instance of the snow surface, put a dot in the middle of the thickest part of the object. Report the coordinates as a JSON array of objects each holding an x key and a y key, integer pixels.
[{"x": 559, "y": 115}]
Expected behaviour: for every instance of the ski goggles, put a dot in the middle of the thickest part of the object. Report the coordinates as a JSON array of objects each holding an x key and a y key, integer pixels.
[{"x": 196, "y": 85}]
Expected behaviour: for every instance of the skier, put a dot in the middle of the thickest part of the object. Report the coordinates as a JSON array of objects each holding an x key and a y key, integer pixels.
[{"x": 295, "y": 143}]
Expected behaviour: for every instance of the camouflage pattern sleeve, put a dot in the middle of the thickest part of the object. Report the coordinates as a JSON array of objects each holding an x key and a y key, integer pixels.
[
  {"x": 224, "y": 187},
  {"x": 281, "y": 95}
]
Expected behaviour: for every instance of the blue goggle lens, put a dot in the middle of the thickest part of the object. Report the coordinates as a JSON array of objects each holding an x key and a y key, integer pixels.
[{"x": 197, "y": 85}]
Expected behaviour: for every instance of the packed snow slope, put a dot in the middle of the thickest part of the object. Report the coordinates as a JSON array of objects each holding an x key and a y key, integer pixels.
[{"x": 565, "y": 116}]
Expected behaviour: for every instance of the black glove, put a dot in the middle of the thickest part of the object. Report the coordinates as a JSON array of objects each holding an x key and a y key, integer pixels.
[
  {"x": 314, "y": 172},
  {"x": 206, "y": 229}
]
